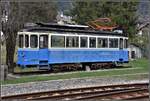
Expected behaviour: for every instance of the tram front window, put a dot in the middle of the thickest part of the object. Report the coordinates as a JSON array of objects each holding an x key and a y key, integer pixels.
[
  {"x": 21, "y": 40},
  {"x": 43, "y": 41},
  {"x": 26, "y": 41}
]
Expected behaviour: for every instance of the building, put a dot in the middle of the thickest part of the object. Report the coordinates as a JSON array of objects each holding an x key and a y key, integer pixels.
[
  {"x": 142, "y": 27},
  {"x": 135, "y": 52},
  {"x": 63, "y": 19},
  {"x": 140, "y": 49}
]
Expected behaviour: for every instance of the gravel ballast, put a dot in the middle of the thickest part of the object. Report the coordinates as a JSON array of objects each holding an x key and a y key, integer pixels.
[{"x": 22, "y": 88}]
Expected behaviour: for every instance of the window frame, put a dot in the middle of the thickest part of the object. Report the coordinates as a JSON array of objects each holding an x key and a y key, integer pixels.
[
  {"x": 37, "y": 40},
  {"x": 125, "y": 43},
  {"x": 121, "y": 45},
  {"x": 81, "y": 35},
  {"x": 58, "y": 36},
  {"x": 95, "y": 42},
  {"x": 73, "y": 37},
  {"x": 86, "y": 42},
  {"x": 44, "y": 39},
  {"x": 23, "y": 41},
  {"x": 107, "y": 39},
  {"x": 117, "y": 42}
]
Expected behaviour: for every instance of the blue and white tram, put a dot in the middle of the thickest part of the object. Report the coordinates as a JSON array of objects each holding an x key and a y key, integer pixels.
[{"x": 43, "y": 47}]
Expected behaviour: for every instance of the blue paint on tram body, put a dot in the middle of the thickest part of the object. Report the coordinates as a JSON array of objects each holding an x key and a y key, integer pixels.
[{"x": 56, "y": 56}]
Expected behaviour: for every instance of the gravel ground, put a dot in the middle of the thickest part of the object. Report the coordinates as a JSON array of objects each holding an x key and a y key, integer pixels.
[{"x": 13, "y": 89}]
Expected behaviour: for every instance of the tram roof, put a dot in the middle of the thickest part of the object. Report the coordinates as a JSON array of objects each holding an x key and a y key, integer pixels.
[{"x": 80, "y": 29}]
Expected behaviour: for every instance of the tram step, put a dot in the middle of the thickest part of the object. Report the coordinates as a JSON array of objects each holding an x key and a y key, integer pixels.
[
  {"x": 46, "y": 67},
  {"x": 43, "y": 61},
  {"x": 43, "y": 64}
]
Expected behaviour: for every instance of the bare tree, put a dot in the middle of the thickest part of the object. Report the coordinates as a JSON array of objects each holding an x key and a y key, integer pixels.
[{"x": 17, "y": 14}]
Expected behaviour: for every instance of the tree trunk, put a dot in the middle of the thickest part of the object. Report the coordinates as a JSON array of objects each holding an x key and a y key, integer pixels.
[{"x": 10, "y": 50}]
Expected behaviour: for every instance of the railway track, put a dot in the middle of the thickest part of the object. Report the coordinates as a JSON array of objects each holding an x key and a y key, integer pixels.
[{"x": 123, "y": 91}]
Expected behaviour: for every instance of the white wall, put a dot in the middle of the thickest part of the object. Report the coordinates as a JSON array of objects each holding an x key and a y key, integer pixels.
[{"x": 138, "y": 52}]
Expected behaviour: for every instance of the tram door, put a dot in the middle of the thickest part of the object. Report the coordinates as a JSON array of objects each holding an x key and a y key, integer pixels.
[{"x": 43, "y": 48}]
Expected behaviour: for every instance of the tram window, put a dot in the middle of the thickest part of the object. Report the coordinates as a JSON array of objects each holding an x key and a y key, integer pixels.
[
  {"x": 33, "y": 41},
  {"x": 113, "y": 43},
  {"x": 21, "y": 41},
  {"x": 125, "y": 43},
  {"x": 92, "y": 43},
  {"x": 72, "y": 41},
  {"x": 121, "y": 43},
  {"x": 83, "y": 42},
  {"x": 26, "y": 41},
  {"x": 43, "y": 41},
  {"x": 57, "y": 41},
  {"x": 102, "y": 42}
]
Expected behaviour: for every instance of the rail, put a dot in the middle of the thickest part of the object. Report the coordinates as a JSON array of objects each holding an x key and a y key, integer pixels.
[{"x": 137, "y": 90}]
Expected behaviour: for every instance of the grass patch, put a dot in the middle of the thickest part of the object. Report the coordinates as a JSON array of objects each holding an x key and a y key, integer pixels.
[
  {"x": 74, "y": 75},
  {"x": 142, "y": 63},
  {"x": 137, "y": 77},
  {"x": 139, "y": 66}
]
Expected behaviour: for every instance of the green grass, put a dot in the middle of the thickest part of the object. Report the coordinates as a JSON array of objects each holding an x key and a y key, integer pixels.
[
  {"x": 138, "y": 66},
  {"x": 142, "y": 63},
  {"x": 74, "y": 75}
]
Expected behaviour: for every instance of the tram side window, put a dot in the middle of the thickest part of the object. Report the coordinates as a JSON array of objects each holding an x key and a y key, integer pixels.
[
  {"x": 57, "y": 41},
  {"x": 121, "y": 43},
  {"x": 125, "y": 43},
  {"x": 92, "y": 43},
  {"x": 83, "y": 42},
  {"x": 113, "y": 43},
  {"x": 72, "y": 41},
  {"x": 43, "y": 41},
  {"x": 33, "y": 41},
  {"x": 26, "y": 41},
  {"x": 102, "y": 42},
  {"x": 21, "y": 41}
]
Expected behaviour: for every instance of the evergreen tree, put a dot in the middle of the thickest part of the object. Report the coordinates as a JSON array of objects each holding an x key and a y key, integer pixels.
[{"x": 122, "y": 13}]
